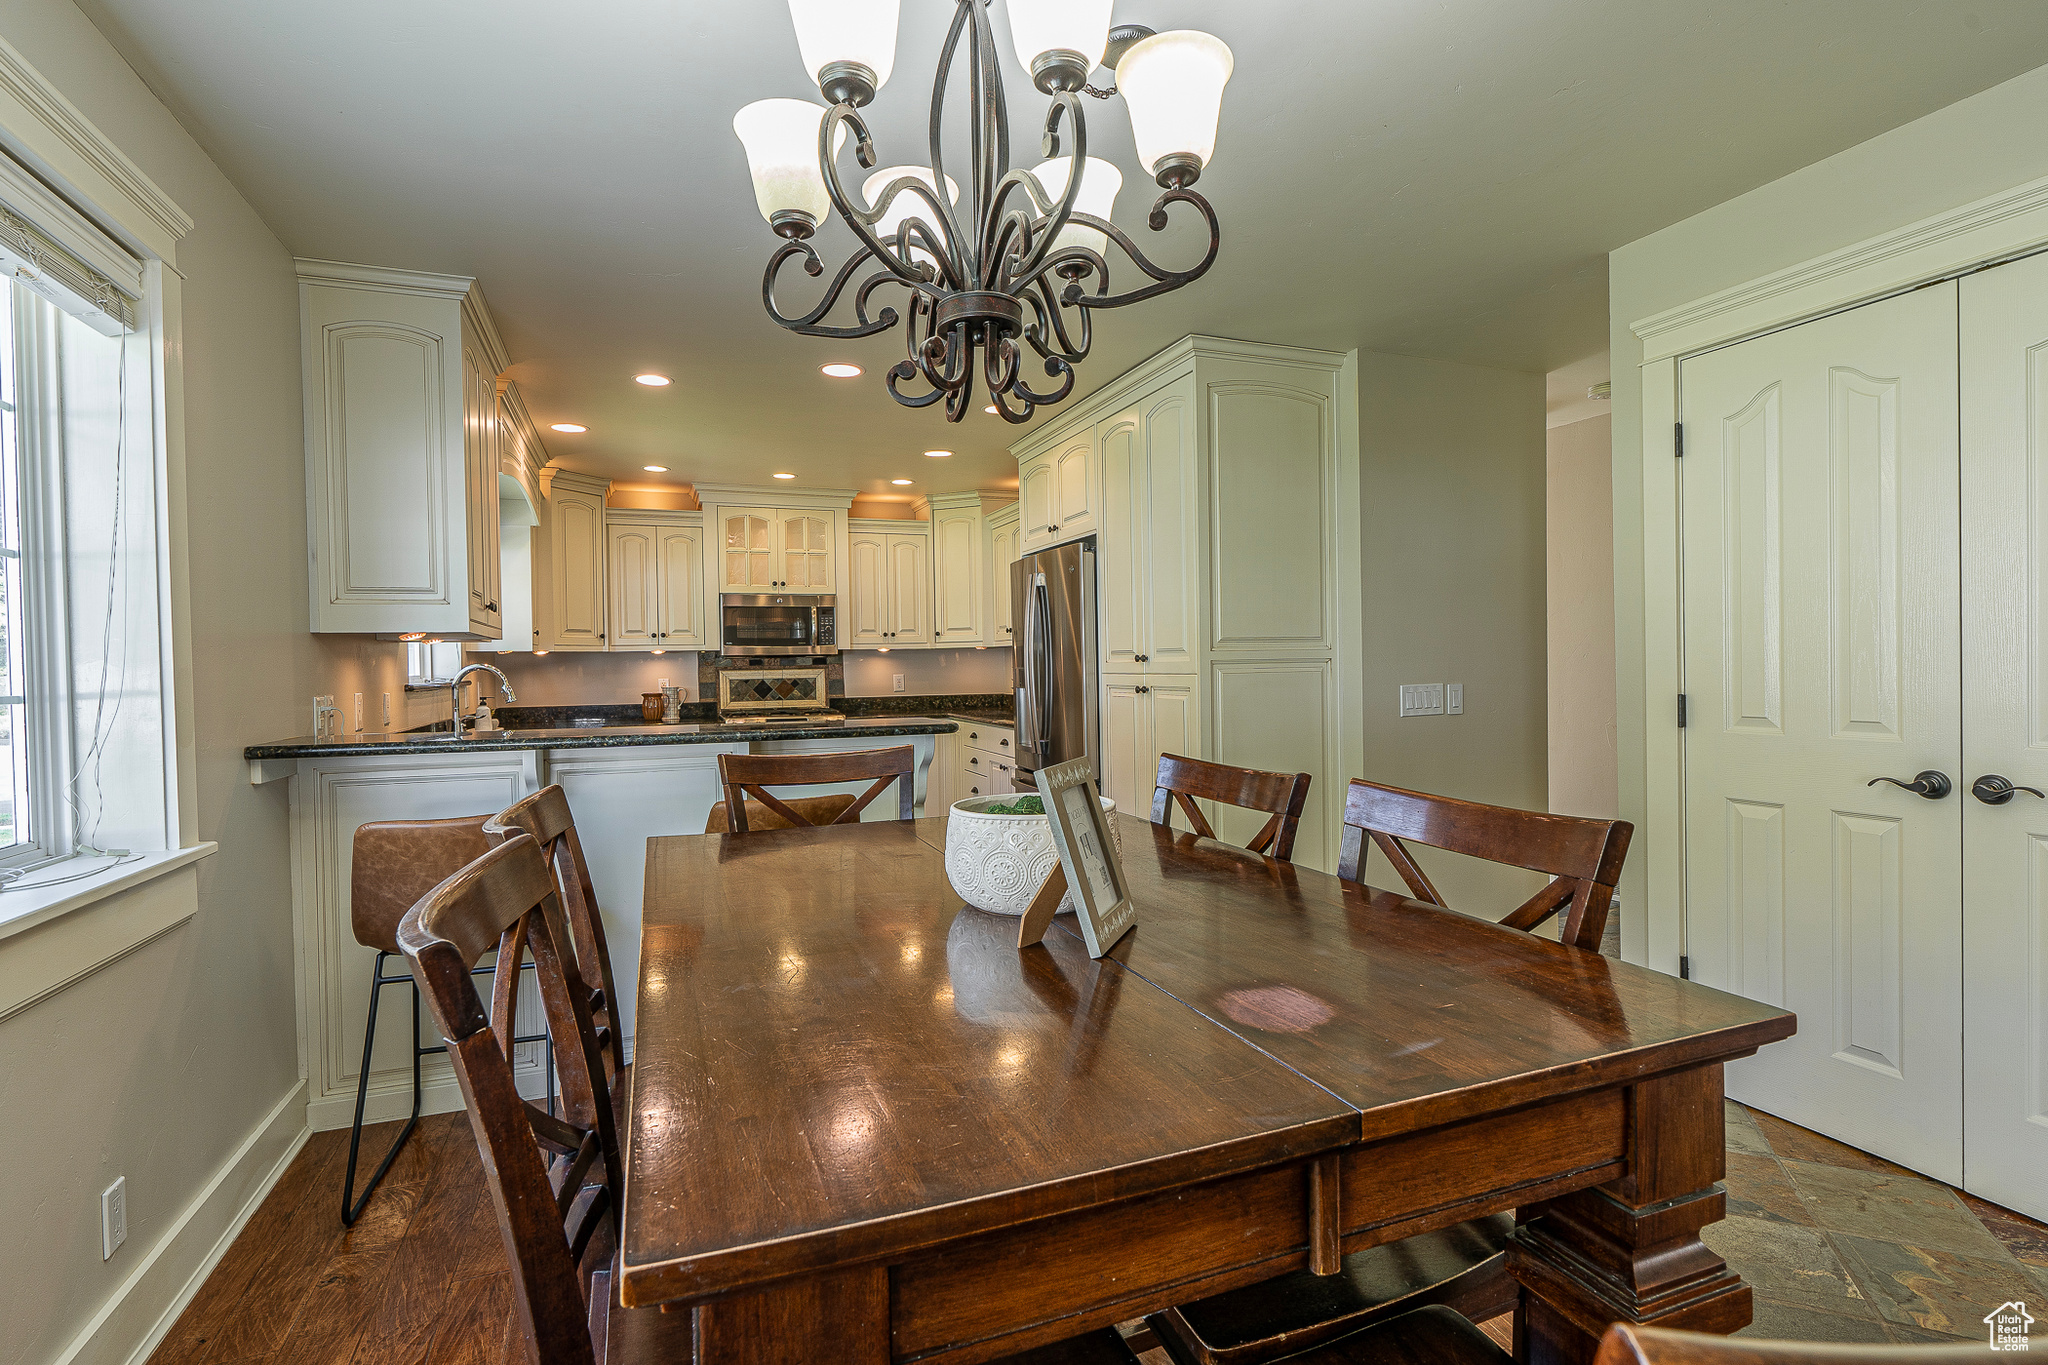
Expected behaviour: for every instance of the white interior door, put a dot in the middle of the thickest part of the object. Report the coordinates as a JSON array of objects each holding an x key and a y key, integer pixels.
[
  {"x": 1823, "y": 651},
  {"x": 2004, "y": 325}
]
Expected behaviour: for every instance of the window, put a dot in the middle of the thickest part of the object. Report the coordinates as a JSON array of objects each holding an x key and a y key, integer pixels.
[
  {"x": 428, "y": 662},
  {"x": 17, "y": 823}
]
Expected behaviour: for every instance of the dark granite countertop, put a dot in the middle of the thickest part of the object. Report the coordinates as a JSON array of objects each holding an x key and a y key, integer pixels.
[{"x": 607, "y": 737}]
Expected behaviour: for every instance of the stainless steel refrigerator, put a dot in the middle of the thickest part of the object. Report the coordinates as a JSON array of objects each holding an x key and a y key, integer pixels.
[{"x": 1052, "y": 669}]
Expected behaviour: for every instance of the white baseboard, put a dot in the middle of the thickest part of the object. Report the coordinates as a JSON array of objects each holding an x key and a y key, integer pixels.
[{"x": 136, "y": 1317}]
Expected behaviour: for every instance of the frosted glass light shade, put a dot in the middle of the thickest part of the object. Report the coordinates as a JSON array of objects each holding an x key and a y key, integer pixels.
[
  {"x": 1173, "y": 83},
  {"x": 1100, "y": 180},
  {"x": 861, "y": 31},
  {"x": 781, "y": 138},
  {"x": 1039, "y": 26},
  {"x": 908, "y": 205}
]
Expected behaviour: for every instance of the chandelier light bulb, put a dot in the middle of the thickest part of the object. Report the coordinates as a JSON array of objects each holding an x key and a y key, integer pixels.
[
  {"x": 1173, "y": 83},
  {"x": 781, "y": 138},
  {"x": 1100, "y": 180},
  {"x": 907, "y": 205},
  {"x": 1059, "y": 41},
  {"x": 848, "y": 46}
]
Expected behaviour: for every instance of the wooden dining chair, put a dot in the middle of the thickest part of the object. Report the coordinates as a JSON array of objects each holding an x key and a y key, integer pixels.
[
  {"x": 545, "y": 817},
  {"x": 1628, "y": 1344},
  {"x": 1184, "y": 781},
  {"x": 393, "y": 864},
  {"x": 750, "y": 775},
  {"x": 1462, "y": 1267},
  {"x": 1582, "y": 856}
]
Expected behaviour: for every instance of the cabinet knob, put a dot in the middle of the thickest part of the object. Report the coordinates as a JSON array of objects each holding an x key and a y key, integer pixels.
[
  {"x": 1052, "y": 528},
  {"x": 492, "y": 606}
]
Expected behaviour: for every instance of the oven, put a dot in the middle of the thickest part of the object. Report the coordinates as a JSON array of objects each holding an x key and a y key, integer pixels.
[{"x": 776, "y": 625}]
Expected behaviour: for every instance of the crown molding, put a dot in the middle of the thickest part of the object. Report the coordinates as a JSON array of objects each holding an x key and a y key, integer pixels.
[
  {"x": 775, "y": 495},
  {"x": 351, "y": 276},
  {"x": 578, "y": 481},
  {"x": 478, "y": 310},
  {"x": 54, "y": 139}
]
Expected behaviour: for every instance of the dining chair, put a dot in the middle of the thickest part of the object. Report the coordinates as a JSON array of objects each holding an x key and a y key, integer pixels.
[
  {"x": 546, "y": 818},
  {"x": 554, "y": 1182},
  {"x": 1628, "y": 1344},
  {"x": 393, "y": 864},
  {"x": 750, "y": 775},
  {"x": 1282, "y": 796},
  {"x": 1462, "y": 1267},
  {"x": 558, "y": 1225}
]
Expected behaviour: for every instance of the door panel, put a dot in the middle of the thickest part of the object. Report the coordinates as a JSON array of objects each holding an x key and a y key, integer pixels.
[
  {"x": 1170, "y": 518},
  {"x": 1120, "y": 553},
  {"x": 1074, "y": 488},
  {"x": 862, "y": 615},
  {"x": 1036, "y": 527},
  {"x": 1126, "y": 730},
  {"x": 910, "y": 576},
  {"x": 748, "y": 551},
  {"x": 806, "y": 553},
  {"x": 1823, "y": 650},
  {"x": 2005, "y": 731},
  {"x": 635, "y": 587},
  {"x": 681, "y": 557}
]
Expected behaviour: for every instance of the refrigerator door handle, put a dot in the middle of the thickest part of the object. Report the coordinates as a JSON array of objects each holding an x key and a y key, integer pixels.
[{"x": 1043, "y": 600}]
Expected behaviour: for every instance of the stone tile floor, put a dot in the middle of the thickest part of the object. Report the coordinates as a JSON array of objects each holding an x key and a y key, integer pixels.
[{"x": 1843, "y": 1246}]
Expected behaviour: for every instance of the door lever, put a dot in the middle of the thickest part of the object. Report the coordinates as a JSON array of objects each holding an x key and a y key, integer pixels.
[
  {"x": 1929, "y": 783},
  {"x": 1994, "y": 790}
]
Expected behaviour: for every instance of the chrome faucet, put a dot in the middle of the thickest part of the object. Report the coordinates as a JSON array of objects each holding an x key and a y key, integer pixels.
[{"x": 455, "y": 691}]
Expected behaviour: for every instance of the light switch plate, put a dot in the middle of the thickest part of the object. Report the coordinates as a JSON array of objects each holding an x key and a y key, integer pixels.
[
  {"x": 1454, "y": 699},
  {"x": 113, "y": 1218},
  {"x": 1422, "y": 699},
  {"x": 359, "y": 713},
  {"x": 899, "y": 681}
]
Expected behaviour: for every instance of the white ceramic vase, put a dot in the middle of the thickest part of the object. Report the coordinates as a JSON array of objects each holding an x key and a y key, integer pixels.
[{"x": 998, "y": 862}]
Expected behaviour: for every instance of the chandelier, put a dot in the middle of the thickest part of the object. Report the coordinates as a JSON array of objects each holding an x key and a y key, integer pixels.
[{"x": 1022, "y": 262}]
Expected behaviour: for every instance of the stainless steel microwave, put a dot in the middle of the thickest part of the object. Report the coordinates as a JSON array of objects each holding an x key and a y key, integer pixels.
[{"x": 776, "y": 625}]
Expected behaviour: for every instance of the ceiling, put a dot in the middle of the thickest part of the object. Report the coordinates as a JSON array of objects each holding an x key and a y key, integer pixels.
[{"x": 1431, "y": 177}]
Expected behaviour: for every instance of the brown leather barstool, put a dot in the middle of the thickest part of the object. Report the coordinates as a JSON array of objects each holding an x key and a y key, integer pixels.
[{"x": 395, "y": 863}]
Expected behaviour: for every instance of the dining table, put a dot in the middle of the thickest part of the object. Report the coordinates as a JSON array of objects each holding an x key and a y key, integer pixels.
[{"x": 866, "y": 1126}]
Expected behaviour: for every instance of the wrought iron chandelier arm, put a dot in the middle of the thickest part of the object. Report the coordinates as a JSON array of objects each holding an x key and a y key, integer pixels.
[
  {"x": 1052, "y": 325},
  {"x": 1167, "y": 280},
  {"x": 1077, "y": 166},
  {"x": 807, "y": 324},
  {"x": 946, "y": 211},
  {"x": 864, "y": 152}
]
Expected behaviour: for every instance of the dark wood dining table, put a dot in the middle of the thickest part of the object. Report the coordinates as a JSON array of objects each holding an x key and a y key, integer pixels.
[{"x": 866, "y": 1127}]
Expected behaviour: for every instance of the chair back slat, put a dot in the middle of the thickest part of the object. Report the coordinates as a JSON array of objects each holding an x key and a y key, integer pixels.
[
  {"x": 1283, "y": 796},
  {"x": 1582, "y": 856},
  {"x": 537, "y": 1166},
  {"x": 750, "y": 775}
]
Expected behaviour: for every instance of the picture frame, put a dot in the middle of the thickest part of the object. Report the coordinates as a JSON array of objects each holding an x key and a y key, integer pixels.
[{"x": 1093, "y": 869}]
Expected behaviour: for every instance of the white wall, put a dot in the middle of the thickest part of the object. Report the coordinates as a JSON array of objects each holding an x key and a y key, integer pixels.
[
  {"x": 1579, "y": 588},
  {"x": 159, "y": 1066},
  {"x": 1987, "y": 143},
  {"x": 1452, "y": 472}
]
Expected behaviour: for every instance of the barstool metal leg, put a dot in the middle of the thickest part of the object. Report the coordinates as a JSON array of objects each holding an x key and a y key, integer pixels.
[{"x": 352, "y": 1207}]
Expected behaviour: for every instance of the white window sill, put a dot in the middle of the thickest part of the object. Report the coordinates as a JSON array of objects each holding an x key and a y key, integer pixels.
[{"x": 29, "y": 907}]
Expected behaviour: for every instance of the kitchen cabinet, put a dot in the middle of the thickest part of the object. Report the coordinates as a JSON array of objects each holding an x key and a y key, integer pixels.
[
  {"x": 1057, "y": 492},
  {"x": 888, "y": 585},
  {"x": 654, "y": 573},
  {"x": 569, "y": 565},
  {"x": 1210, "y": 476},
  {"x": 768, "y": 549},
  {"x": 959, "y": 597},
  {"x": 1001, "y": 528},
  {"x": 402, "y": 433}
]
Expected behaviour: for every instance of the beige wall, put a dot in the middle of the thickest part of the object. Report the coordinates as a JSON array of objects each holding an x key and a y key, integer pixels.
[
  {"x": 1987, "y": 143},
  {"x": 1452, "y": 472},
  {"x": 566, "y": 679},
  {"x": 158, "y": 1067},
  {"x": 1579, "y": 588}
]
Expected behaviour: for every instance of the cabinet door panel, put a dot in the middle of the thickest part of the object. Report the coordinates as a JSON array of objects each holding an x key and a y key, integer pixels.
[
  {"x": 910, "y": 576},
  {"x": 862, "y": 616},
  {"x": 576, "y": 555},
  {"x": 806, "y": 546},
  {"x": 747, "y": 550},
  {"x": 1121, "y": 568},
  {"x": 479, "y": 395},
  {"x": 1036, "y": 500},
  {"x": 680, "y": 557},
  {"x": 635, "y": 588},
  {"x": 1002, "y": 553},
  {"x": 957, "y": 578},
  {"x": 1126, "y": 733},
  {"x": 1169, "y": 514},
  {"x": 1074, "y": 488}
]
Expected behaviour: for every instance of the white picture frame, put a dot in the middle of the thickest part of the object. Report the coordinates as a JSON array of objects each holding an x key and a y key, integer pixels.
[{"x": 1088, "y": 855}]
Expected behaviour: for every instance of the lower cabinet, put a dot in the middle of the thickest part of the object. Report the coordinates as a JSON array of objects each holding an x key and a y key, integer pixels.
[{"x": 1142, "y": 718}]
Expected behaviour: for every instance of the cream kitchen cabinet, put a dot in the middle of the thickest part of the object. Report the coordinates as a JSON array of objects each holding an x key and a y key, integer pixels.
[
  {"x": 401, "y": 404},
  {"x": 1001, "y": 529},
  {"x": 569, "y": 554},
  {"x": 770, "y": 549},
  {"x": 1057, "y": 494},
  {"x": 959, "y": 593},
  {"x": 1146, "y": 552},
  {"x": 654, "y": 573},
  {"x": 1141, "y": 720},
  {"x": 888, "y": 599}
]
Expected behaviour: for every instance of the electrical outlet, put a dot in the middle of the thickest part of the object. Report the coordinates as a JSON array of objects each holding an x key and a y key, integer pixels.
[
  {"x": 387, "y": 710},
  {"x": 1454, "y": 699},
  {"x": 899, "y": 682},
  {"x": 359, "y": 713},
  {"x": 113, "y": 1218},
  {"x": 1422, "y": 699}
]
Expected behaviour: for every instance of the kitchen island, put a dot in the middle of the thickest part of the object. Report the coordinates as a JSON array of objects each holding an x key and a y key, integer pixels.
[{"x": 626, "y": 783}]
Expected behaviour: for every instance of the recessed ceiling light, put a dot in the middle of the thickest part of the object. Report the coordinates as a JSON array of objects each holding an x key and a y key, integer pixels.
[
  {"x": 991, "y": 410},
  {"x": 655, "y": 468},
  {"x": 785, "y": 476},
  {"x": 840, "y": 371},
  {"x": 899, "y": 481},
  {"x": 652, "y": 381},
  {"x": 571, "y": 427},
  {"x": 937, "y": 454}
]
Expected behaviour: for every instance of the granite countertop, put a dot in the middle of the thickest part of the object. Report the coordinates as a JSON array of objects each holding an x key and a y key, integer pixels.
[
  {"x": 607, "y": 737},
  {"x": 991, "y": 716}
]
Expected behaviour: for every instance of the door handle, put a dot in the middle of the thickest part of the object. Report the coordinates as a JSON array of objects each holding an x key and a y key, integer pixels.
[
  {"x": 1928, "y": 783},
  {"x": 1994, "y": 790}
]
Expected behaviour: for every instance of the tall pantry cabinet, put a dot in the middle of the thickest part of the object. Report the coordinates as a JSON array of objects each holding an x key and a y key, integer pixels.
[{"x": 1209, "y": 478}]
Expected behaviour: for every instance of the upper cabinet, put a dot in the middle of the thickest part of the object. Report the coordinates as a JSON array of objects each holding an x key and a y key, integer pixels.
[
  {"x": 402, "y": 451},
  {"x": 888, "y": 585},
  {"x": 1147, "y": 545},
  {"x": 792, "y": 545},
  {"x": 1057, "y": 492},
  {"x": 746, "y": 549},
  {"x": 654, "y": 574},
  {"x": 1001, "y": 527},
  {"x": 569, "y": 553},
  {"x": 806, "y": 552},
  {"x": 959, "y": 581}
]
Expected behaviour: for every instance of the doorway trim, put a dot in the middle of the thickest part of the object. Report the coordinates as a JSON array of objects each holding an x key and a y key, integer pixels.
[{"x": 1975, "y": 236}]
